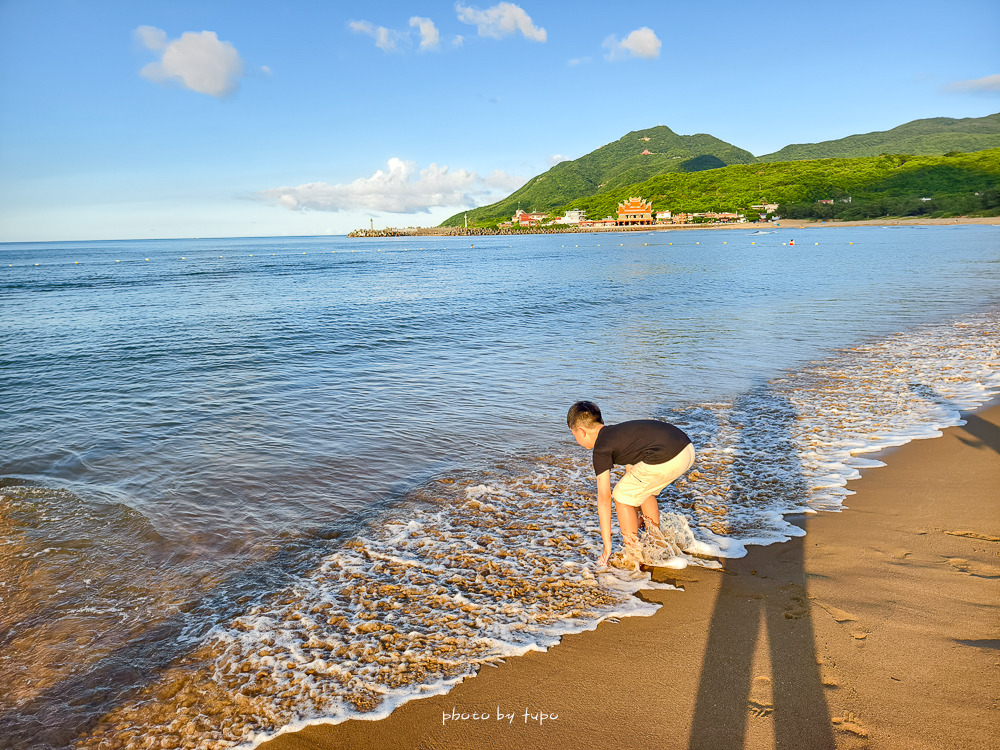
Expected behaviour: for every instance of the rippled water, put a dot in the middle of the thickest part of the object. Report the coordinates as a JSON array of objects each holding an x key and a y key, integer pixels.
[{"x": 299, "y": 470}]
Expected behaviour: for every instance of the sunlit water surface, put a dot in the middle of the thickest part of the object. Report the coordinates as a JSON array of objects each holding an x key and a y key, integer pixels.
[{"x": 249, "y": 483}]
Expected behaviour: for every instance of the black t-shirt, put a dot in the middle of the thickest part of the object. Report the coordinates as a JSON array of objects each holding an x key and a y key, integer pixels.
[{"x": 647, "y": 440}]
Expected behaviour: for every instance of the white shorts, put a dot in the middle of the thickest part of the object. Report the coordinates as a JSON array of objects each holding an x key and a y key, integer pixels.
[{"x": 650, "y": 479}]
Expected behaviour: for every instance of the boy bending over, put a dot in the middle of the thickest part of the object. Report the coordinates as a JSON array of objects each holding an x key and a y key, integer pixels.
[{"x": 653, "y": 453}]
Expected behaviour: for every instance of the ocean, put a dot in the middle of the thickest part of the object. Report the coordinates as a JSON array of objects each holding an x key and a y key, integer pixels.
[{"x": 249, "y": 484}]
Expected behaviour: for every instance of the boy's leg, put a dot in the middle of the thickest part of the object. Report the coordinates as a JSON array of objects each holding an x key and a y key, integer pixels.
[
  {"x": 628, "y": 522},
  {"x": 651, "y": 512}
]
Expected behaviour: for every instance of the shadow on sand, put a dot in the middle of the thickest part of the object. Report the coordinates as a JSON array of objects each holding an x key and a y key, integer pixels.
[{"x": 736, "y": 685}]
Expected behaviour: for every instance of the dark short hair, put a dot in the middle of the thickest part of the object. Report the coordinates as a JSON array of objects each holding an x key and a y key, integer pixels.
[{"x": 584, "y": 414}]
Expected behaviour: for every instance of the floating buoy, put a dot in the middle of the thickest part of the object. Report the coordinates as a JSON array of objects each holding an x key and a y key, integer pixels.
[
  {"x": 183, "y": 258},
  {"x": 148, "y": 258},
  {"x": 815, "y": 243},
  {"x": 251, "y": 255},
  {"x": 850, "y": 243},
  {"x": 753, "y": 243},
  {"x": 791, "y": 242},
  {"x": 76, "y": 262}
]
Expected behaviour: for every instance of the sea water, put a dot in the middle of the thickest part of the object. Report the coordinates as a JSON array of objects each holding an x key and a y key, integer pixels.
[{"x": 246, "y": 484}]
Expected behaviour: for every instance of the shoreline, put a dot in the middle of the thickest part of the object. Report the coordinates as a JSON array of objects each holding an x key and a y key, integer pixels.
[
  {"x": 782, "y": 223},
  {"x": 877, "y": 629}
]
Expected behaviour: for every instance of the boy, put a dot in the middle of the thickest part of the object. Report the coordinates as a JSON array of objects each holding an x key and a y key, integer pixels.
[{"x": 653, "y": 453}]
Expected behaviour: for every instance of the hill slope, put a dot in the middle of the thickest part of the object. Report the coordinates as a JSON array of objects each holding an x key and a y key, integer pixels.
[
  {"x": 875, "y": 185},
  {"x": 938, "y": 135},
  {"x": 611, "y": 166}
]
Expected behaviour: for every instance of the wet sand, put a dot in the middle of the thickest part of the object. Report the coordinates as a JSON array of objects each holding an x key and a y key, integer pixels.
[{"x": 879, "y": 629}]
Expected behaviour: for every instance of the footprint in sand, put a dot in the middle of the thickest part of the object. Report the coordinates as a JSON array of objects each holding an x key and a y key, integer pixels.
[
  {"x": 827, "y": 674},
  {"x": 851, "y": 724},
  {"x": 973, "y": 568},
  {"x": 797, "y": 605},
  {"x": 759, "y": 703}
]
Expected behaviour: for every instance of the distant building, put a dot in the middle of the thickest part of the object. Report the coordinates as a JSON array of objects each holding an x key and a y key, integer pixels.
[
  {"x": 608, "y": 221},
  {"x": 663, "y": 217},
  {"x": 647, "y": 152},
  {"x": 525, "y": 219},
  {"x": 635, "y": 212},
  {"x": 826, "y": 201},
  {"x": 574, "y": 216}
]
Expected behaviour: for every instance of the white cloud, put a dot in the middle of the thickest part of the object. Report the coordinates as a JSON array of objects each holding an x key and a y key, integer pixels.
[
  {"x": 385, "y": 39},
  {"x": 501, "y": 20},
  {"x": 556, "y": 158},
  {"x": 986, "y": 85},
  {"x": 458, "y": 41},
  {"x": 400, "y": 189},
  {"x": 197, "y": 60},
  {"x": 152, "y": 37},
  {"x": 429, "y": 35},
  {"x": 640, "y": 43}
]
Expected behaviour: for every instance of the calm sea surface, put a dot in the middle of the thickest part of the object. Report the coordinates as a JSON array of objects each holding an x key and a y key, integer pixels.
[{"x": 202, "y": 441}]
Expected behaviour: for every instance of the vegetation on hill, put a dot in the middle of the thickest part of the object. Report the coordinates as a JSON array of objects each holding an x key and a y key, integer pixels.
[
  {"x": 859, "y": 188},
  {"x": 937, "y": 135},
  {"x": 610, "y": 167},
  {"x": 702, "y": 173}
]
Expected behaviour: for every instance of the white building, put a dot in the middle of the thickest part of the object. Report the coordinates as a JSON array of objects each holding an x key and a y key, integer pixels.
[{"x": 574, "y": 216}]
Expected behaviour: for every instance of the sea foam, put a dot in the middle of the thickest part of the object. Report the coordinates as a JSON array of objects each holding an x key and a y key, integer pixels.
[{"x": 476, "y": 569}]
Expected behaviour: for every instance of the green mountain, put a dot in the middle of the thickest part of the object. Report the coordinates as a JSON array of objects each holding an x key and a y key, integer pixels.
[
  {"x": 702, "y": 173},
  {"x": 610, "y": 167},
  {"x": 938, "y": 135},
  {"x": 859, "y": 188}
]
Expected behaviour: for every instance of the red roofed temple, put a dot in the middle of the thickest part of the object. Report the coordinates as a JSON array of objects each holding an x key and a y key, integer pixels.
[{"x": 635, "y": 211}]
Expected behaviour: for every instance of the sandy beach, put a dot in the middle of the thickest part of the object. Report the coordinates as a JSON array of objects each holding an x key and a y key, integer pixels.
[{"x": 878, "y": 629}]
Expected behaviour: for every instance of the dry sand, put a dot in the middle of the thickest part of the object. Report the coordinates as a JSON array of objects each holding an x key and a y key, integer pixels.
[
  {"x": 879, "y": 629},
  {"x": 905, "y": 221}
]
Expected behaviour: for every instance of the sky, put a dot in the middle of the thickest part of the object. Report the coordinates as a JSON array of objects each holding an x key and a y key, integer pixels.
[{"x": 135, "y": 119}]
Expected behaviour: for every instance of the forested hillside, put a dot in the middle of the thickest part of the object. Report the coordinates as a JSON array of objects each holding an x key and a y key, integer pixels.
[
  {"x": 938, "y": 135},
  {"x": 859, "y": 188}
]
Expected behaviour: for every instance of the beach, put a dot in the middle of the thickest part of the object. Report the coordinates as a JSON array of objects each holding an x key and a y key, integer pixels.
[
  {"x": 878, "y": 629},
  {"x": 252, "y": 484}
]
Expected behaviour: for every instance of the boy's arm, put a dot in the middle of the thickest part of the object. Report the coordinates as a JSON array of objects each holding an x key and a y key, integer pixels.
[{"x": 604, "y": 504}]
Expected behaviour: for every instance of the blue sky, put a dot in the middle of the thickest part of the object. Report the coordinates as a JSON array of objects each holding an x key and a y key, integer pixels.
[{"x": 141, "y": 118}]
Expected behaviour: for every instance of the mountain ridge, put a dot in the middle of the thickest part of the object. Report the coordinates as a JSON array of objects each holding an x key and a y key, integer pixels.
[{"x": 641, "y": 155}]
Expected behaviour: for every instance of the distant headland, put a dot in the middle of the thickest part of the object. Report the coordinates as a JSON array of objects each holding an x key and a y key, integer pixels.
[{"x": 938, "y": 168}]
